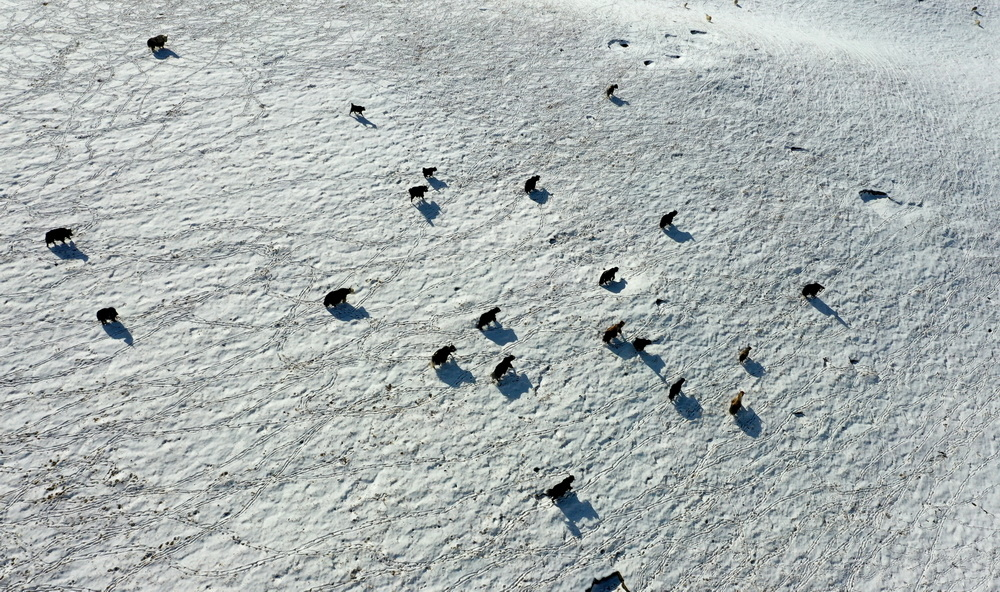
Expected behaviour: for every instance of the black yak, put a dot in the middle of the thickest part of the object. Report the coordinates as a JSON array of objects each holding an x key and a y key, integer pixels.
[
  {"x": 488, "y": 318},
  {"x": 640, "y": 343},
  {"x": 529, "y": 185},
  {"x": 668, "y": 219},
  {"x": 357, "y": 110},
  {"x": 503, "y": 368},
  {"x": 418, "y": 191},
  {"x": 607, "y": 277},
  {"x": 812, "y": 290},
  {"x": 58, "y": 234},
  {"x": 441, "y": 355},
  {"x": 611, "y": 91},
  {"x": 429, "y": 172},
  {"x": 107, "y": 315},
  {"x": 155, "y": 43},
  {"x": 561, "y": 488},
  {"x": 337, "y": 297}
]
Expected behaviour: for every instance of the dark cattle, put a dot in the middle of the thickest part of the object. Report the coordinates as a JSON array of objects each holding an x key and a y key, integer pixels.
[
  {"x": 429, "y": 172},
  {"x": 502, "y": 368},
  {"x": 640, "y": 343},
  {"x": 812, "y": 290},
  {"x": 58, "y": 234},
  {"x": 488, "y": 318},
  {"x": 107, "y": 315},
  {"x": 418, "y": 191},
  {"x": 607, "y": 584},
  {"x": 337, "y": 297},
  {"x": 675, "y": 388},
  {"x": 529, "y": 185},
  {"x": 613, "y": 331},
  {"x": 668, "y": 219},
  {"x": 357, "y": 110},
  {"x": 736, "y": 404},
  {"x": 872, "y": 193},
  {"x": 744, "y": 354},
  {"x": 561, "y": 488},
  {"x": 441, "y": 355},
  {"x": 611, "y": 91},
  {"x": 608, "y": 276},
  {"x": 157, "y": 42}
]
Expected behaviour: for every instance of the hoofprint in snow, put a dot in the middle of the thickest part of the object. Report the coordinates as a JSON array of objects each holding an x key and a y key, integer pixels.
[{"x": 229, "y": 431}]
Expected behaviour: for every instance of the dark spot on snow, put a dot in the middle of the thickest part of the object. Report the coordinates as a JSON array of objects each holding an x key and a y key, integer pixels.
[
  {"x": 697, "y": 32},
  {"x": 798, "y": 413},
  {"x": 648, "y": 62},
  {"x": 456, "y": 288},
  {"x": 536, "y": 469},
  {"x": 853, "y": 361}
]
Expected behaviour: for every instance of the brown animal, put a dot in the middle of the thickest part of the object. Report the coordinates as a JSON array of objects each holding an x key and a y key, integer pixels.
[
  {"x": 744, "y": 354},
  {"x": 736, "y": 404},
  {"x": 613, "y": 331}
]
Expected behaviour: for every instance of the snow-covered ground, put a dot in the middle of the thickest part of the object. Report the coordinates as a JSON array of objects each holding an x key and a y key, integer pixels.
[{"x": 233, "y": 434}]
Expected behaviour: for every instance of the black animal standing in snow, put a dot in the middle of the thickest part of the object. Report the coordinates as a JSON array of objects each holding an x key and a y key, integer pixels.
[
  {"x": 418, "y": 192},
  {"x": 156, "y": 43},
  {"x": 668, "y": 219},
  {"x": 607, "y": 277},
  {"x": 675, "y": 389},
  {"x": 613, "y": 331},
  {"x": 357, "y": 110},
  {"x": 429, "y": 172},
  {"x": 529, "y": 185},
  {"x": 502, "y": 368},
  {"x": 611, "y": 91},
  {"x": 107, "y": 315},
  {"x": 337, "y": 297},
  {"x": 744, "y": 354},
  {"x": 812, "y": 290},
  {"x": 488, "y": 318},
  {"x": 441, "y": 355},
  {"x": 561, "y": 488},
  {"x": 640, "y": 343},
  {"x": 58, "y": 234}
]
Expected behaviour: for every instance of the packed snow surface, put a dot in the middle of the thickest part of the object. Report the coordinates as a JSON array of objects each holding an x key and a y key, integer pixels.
[{"x": 232, "y": 433}]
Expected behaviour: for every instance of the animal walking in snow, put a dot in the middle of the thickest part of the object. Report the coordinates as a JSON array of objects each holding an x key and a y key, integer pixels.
[
  {"x": 502, "y": 368},
  {"x": 337, "y": 297},
  {"x": 812, "y": 290},
  {"x": 613, "y": 331},
  {"x": 488, "y": 318},
  {"x": 357, "y": 110},
  {"x": 107, "y": 315},
  {"x": 530, "y": 184},
  {"x": 607, "y": 277},
  {"x": 441, "y": 355},
  {"x": 156, "y": 43},
  {"x": 610, "y": 92},
  {"x": 675, "y": 389},
  {"x": 736, "y": 404},
  {"x": 668, "y": 219},
  {"x": 429, "y": 172},
  {"x": 418, "y": 192},
  {"x": 744, "y": 354},
  {"x": 58, "y": 234},
  {"x": 561, "y": 488},
  {"x": 640, "y": 343}
]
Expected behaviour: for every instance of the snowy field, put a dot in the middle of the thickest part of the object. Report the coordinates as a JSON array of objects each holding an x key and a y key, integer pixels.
[{"x": 232, "y": 433}]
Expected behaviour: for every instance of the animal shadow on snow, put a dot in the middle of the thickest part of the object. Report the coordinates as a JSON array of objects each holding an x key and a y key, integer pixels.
[
  {"x": 754, "y": 368},
  {"x": 616, "y": 286},
  {"x": 617, "y": 101},
  {"x": 436, "y": 184},
  {"x": 116, "y": 330},
  {"x": 429, "y": 210},
  {"x": 574, "y": 510},
  {"x": 363, "y": 120},
  {"x": 164, "y": 53},
  {"x": 749, "y": 421},
  {"x": 869, "y": 195},
  {"x": 677, "y": 234},
  {"x": 500, "y": 335},
  {"x": 452, "y": 375},
  {"x": 823, "y": 308},
  {"x": 68, "y": 252},
  {"x": 513, "y": 386},
  {"x": 345, "y": 311},
  {"x": 688, "y": 407},
  {"x": 655, "y": 363},
  {"x": 540, "y": 196},
  {"x": 623, "y": 349}
]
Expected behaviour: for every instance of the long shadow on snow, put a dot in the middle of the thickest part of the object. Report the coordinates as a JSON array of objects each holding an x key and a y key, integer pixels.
[
  {"x": 346, "y": 312},
  {"x": 501, "y": 335},
  {"x": 164, "y": 53},
  {"x": 616, "y": 286},
  {"x": 677, "y": 234},
  {"x": 688, "y": 407},
  {"x": 748, "y": 421},
  {"x": 364, "y": 121},
  {"x": 623, "y": 349},
  {"x": 540, "y": 196},
  {"x": 429, "y": 210},
  {"x": 68, "y": 252},
  {"x": 574, "y": 510},
  {"x": 436, "y": 184},
  {"x": 116, "y": 330},
  {"x": 655, "y": 363},
  {"x": 619, "y": 102},
  {"x": 452, "y": 375},
  {"x": 754, "y": 368},
  {"x": 823, "y": 308},
  {"x": 514, "y": 386}
]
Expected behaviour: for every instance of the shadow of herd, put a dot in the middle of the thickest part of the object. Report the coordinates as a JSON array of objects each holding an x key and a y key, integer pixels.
[{"x": 612, "y": 336}]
